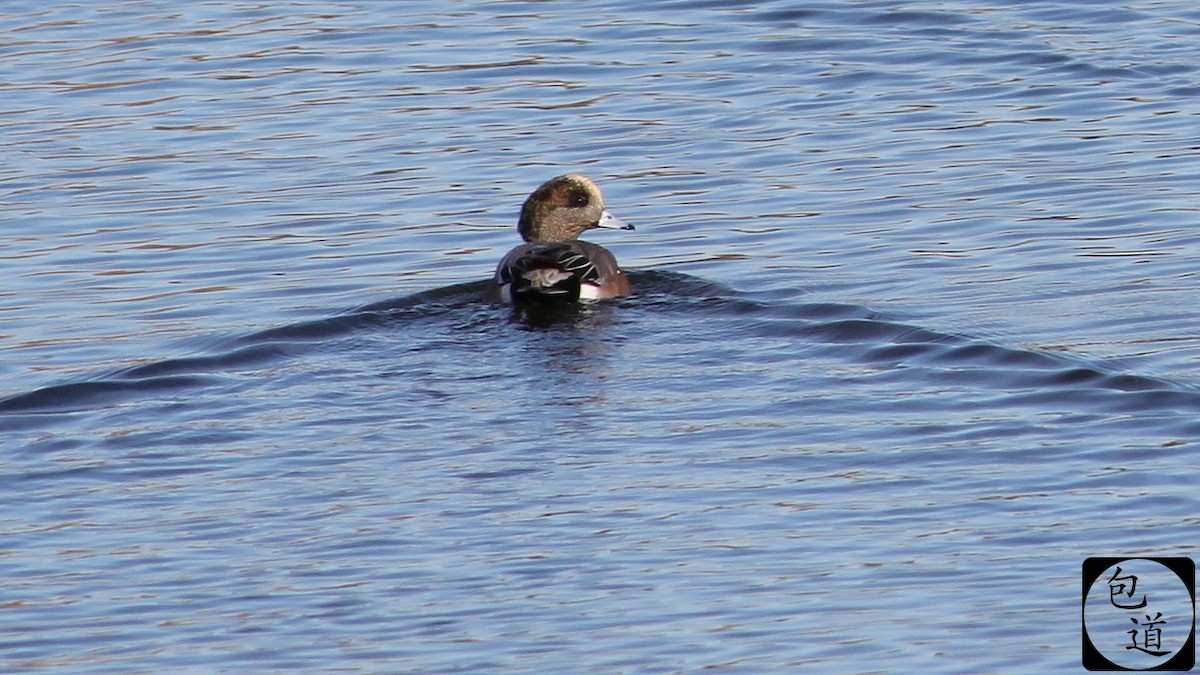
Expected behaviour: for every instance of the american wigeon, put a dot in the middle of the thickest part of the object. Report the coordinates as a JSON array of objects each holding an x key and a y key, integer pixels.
[{"x": 553, "y": 264}]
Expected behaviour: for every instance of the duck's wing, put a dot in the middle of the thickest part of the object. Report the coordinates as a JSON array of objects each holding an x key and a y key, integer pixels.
[{"x": 568, "y": 271}]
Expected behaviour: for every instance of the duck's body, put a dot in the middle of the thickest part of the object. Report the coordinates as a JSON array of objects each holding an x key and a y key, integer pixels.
[
  {"x": 568, "y": 270},
  {"x": 553, "y": 265}
]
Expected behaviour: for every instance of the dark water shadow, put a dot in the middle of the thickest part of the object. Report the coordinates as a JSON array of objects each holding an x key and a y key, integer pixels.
[{"x": 852, "y": 332}]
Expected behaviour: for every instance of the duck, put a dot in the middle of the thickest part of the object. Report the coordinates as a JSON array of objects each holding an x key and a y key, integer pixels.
[{"x": 553, "y": 265}]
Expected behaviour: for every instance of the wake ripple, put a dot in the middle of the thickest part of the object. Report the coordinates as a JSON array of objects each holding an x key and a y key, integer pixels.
[{"x": 852, "y": 332}]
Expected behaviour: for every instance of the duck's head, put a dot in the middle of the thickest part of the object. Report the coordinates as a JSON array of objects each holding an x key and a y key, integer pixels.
[{"x": 563, "y": 208}]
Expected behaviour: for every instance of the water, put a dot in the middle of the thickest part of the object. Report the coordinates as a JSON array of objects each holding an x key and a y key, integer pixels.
[{"x": 914, "y": 334}]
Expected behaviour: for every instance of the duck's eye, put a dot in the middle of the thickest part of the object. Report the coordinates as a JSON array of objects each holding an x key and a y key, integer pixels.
[{"x": 578, "y": 198}]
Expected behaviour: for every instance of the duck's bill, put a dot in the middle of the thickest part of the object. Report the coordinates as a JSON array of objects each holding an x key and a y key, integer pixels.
[{"x": 611, "y": 222}]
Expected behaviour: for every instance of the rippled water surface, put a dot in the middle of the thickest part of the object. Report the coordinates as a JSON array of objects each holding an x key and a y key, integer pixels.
[{"x": 915, "y": 333}]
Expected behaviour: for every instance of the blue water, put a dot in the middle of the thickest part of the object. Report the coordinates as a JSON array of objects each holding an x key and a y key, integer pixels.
[{"x": 914, "y": 334}]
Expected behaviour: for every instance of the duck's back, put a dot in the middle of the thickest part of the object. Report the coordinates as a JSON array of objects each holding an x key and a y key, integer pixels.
[{"x": 561, "y": 271}]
